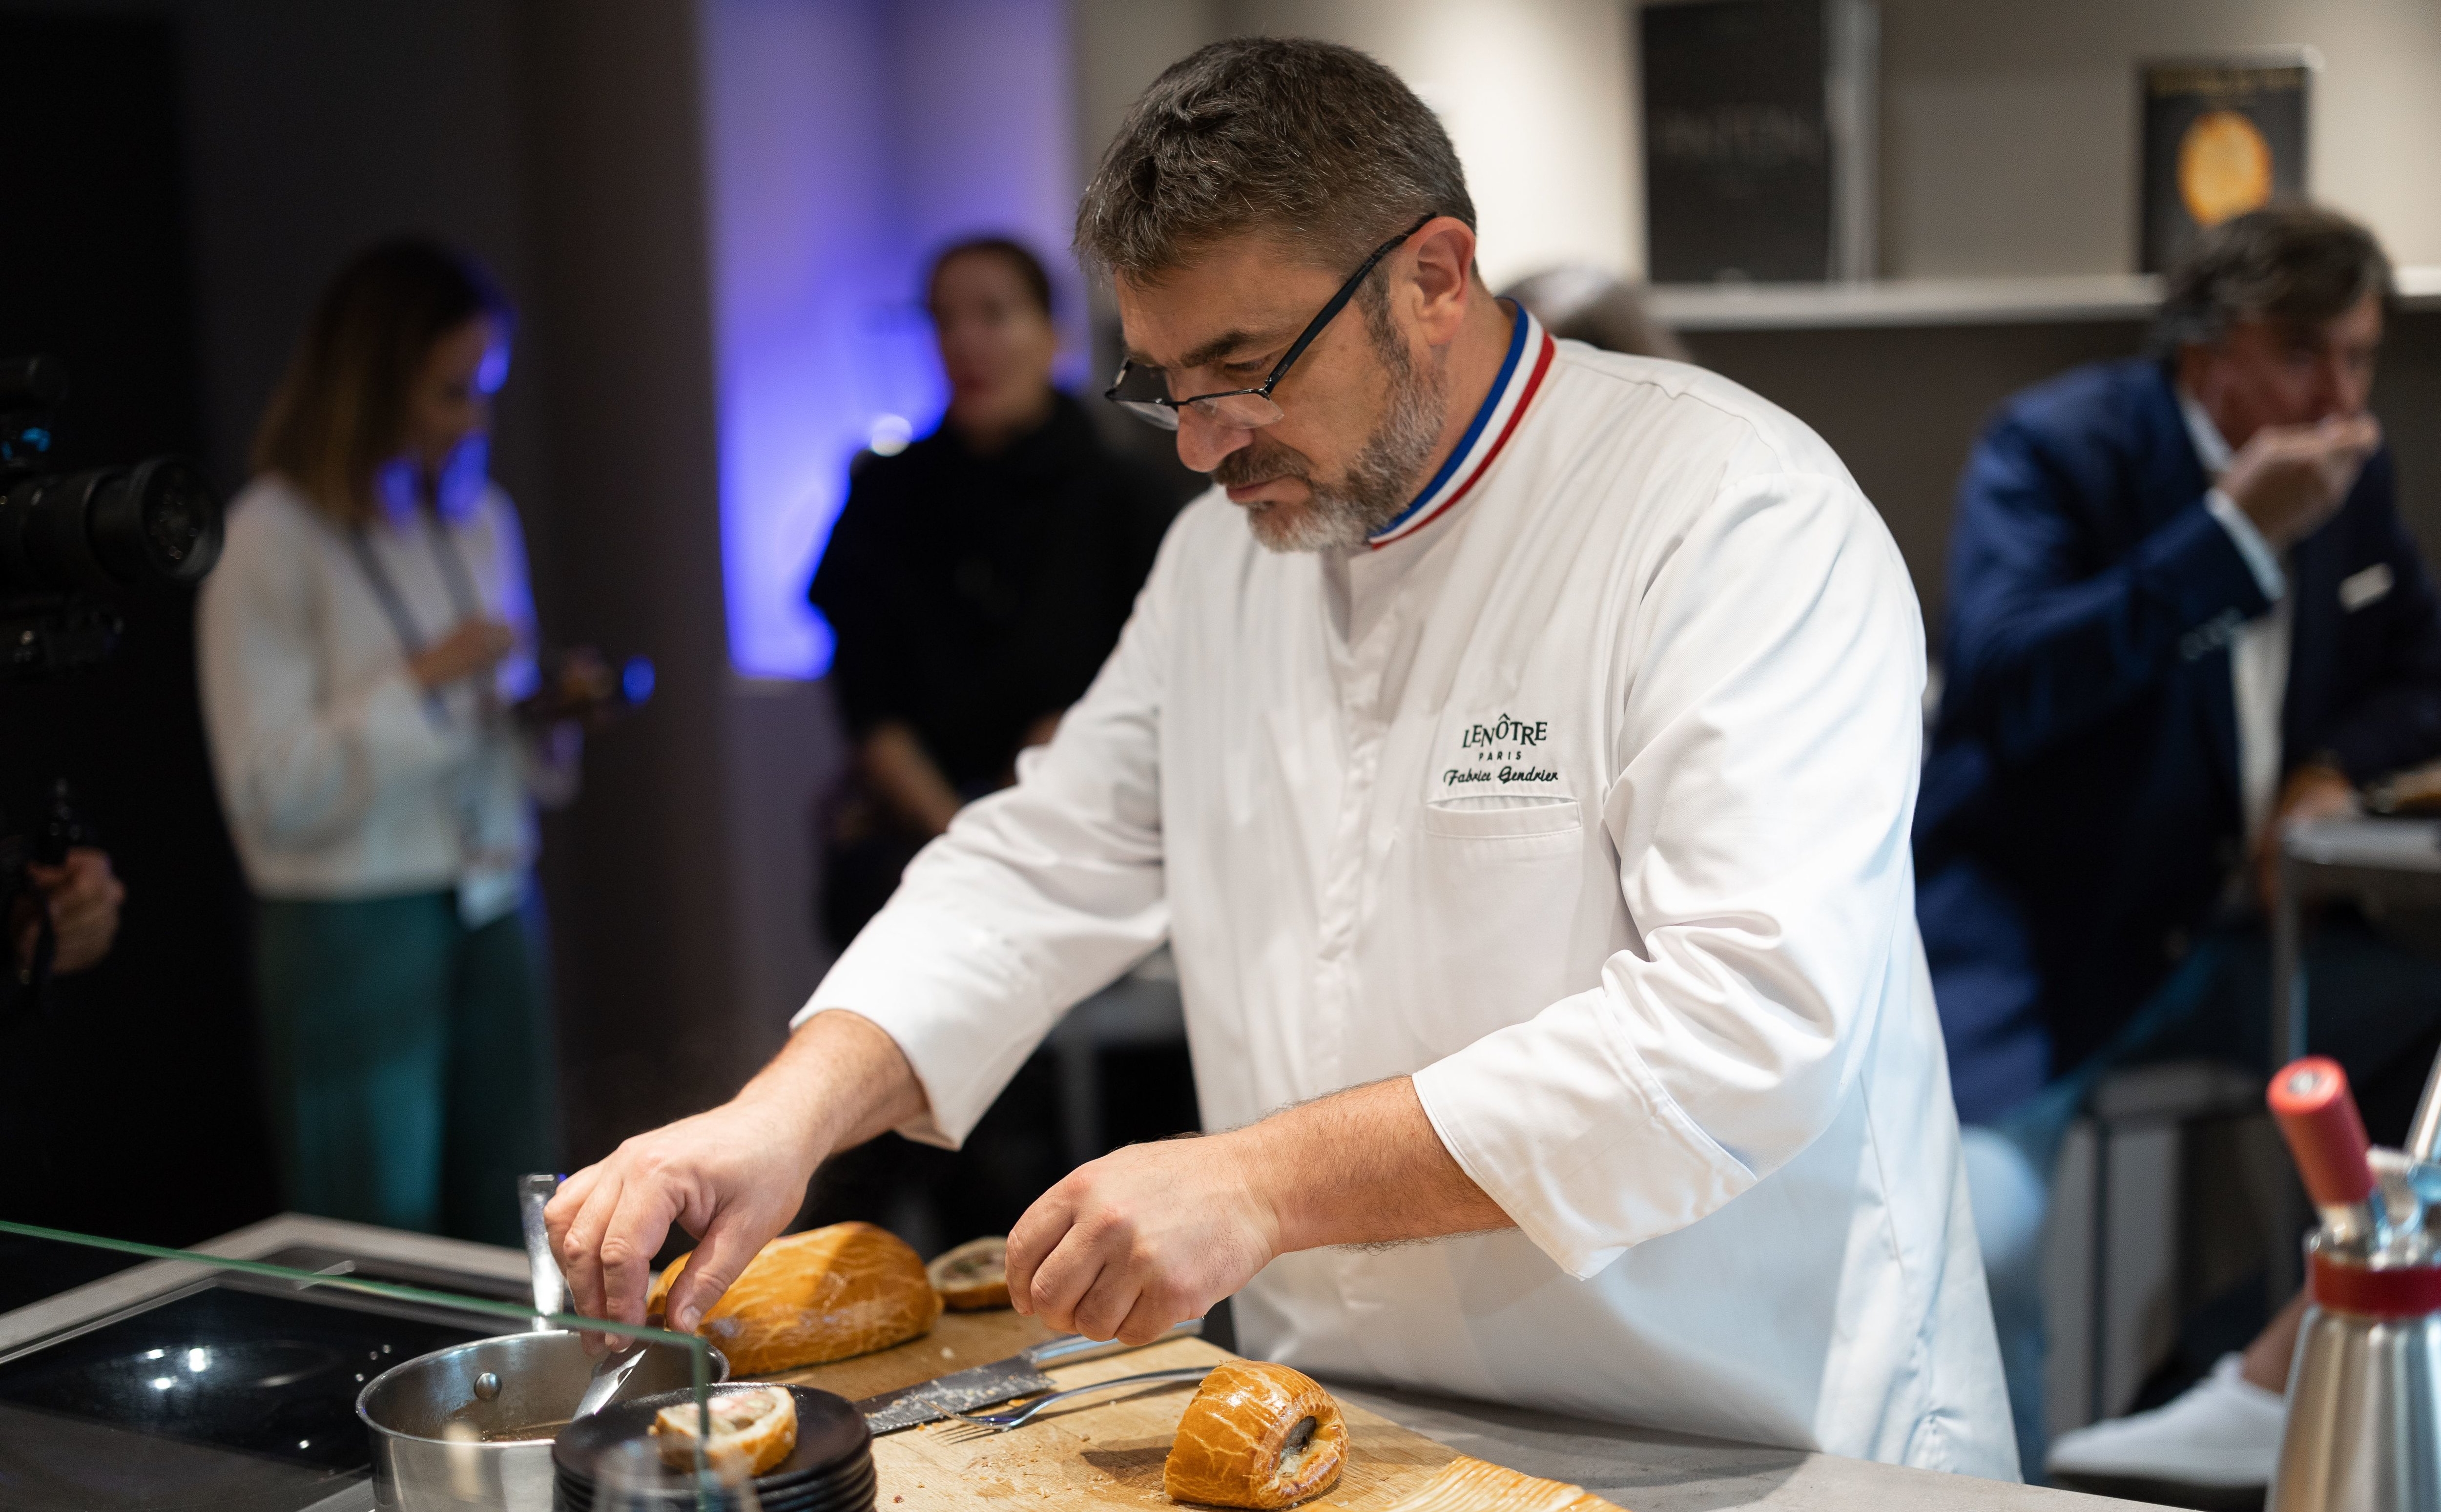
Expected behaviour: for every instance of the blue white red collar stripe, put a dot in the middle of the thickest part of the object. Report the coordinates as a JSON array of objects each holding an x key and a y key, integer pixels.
[{"x": 1531, "y": 348}]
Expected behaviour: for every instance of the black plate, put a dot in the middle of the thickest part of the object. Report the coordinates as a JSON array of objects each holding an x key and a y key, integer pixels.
[
  {"x": 831, "y": 1439},
  {"x": 855, "y": 1493},
  {"x": 859, "y": 1497},
  {"x": 841, "y": 1482}
]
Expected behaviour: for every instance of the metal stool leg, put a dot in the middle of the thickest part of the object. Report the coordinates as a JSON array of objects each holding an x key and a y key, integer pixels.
[
  {"x": 2098, "y": 1320},
  {"x": 2282, "y": 1266}
]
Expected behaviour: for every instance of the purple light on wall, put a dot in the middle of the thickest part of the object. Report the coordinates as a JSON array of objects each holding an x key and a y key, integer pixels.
[{"x": 847, "y": 141}]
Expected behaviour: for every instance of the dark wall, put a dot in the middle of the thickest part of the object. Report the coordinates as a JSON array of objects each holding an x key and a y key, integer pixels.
[
  {"x": 128, "y": 1100},
  {"x": 559, "y": 142},
  {"x": 308, "y": 129},
  {"x": 1903, "y": 406},
  {"x": 649, "y": 988},
  {"x": 184, "y": 176}
]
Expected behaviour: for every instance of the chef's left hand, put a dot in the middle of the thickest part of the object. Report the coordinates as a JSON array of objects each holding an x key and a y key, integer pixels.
[
  {"x": 2312, "y": 791},
  {"x": 1143, "y": 1237}
]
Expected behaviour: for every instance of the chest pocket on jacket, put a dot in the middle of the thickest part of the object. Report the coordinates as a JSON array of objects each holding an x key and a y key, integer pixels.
[
  {"x": 1517, "y": 820},
  {"x": 1500, "y": 894}
]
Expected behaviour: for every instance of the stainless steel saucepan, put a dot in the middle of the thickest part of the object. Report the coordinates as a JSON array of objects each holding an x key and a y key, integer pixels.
[{"x": 471, "y": 1426}]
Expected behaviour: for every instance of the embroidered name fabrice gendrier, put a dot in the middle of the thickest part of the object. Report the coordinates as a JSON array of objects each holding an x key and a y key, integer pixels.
[{"x": 1497, "y": 753}]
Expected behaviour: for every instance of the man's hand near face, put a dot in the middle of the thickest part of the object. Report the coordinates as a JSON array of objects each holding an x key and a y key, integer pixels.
[
  {"x": 2313, "y": 791},
  {"x": 2289, "y": 480}
]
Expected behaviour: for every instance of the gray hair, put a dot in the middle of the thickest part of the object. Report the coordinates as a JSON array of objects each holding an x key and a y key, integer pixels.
[
  {"x": 2290, "y": 262},
  {"x": 1308, "y": 140}
]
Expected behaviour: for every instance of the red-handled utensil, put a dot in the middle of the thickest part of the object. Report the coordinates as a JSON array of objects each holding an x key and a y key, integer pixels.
[{"x": 2325, "y": 1134}]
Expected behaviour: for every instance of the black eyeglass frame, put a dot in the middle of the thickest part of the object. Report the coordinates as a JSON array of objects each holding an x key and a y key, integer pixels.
[{"x": 1162, "y": 411}]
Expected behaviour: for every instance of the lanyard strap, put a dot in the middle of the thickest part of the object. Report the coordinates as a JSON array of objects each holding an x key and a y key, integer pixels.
[
  {"x": 463, "y": 597},
  {"x": 377, "y": 578},
  {"x": 454, "y": 576},
  {"x": 453, "y": 567}
]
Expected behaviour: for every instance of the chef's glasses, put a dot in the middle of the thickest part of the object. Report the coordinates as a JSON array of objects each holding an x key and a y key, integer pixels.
[{"x": 1140, "y": 390}]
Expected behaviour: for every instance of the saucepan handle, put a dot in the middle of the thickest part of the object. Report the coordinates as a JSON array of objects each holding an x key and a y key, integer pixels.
[{"x": 549, "y": 1289}]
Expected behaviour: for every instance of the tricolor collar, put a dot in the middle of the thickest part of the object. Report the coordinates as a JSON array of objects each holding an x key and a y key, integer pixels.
[{"x": 1521, "y": 373}]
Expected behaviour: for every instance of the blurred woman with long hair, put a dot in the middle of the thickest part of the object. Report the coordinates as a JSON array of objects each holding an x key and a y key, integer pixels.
[{"x": 362, "y": 644}]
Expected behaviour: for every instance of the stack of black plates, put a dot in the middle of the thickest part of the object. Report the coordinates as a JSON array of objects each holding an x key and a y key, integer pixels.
[{"x": 831, "y": 1469}]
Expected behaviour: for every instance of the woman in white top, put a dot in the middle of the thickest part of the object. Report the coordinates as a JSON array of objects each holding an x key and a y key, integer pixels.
[{"x": 363, "y": 645}]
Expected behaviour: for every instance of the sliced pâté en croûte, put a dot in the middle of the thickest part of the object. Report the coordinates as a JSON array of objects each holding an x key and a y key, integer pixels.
[
  {"x": 751, "y": 1431},
  {"x": 821, "y": 1295},
  {"x": 1256, "y": 1436}
]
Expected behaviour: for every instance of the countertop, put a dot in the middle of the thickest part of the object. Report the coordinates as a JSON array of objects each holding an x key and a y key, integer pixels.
[{"x": 1645, "y": 1470}]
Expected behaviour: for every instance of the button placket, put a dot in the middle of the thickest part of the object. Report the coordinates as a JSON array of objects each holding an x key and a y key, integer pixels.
[{"x": 1342, "y": 897}]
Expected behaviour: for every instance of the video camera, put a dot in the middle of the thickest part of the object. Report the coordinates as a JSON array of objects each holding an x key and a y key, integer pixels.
[{"x": 69, "y": 542}]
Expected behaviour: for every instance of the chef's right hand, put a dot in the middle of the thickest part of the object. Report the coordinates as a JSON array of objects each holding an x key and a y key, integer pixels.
[
  {"x": 2290, "y": 479},
  {"x": 733, "y": 1176}
]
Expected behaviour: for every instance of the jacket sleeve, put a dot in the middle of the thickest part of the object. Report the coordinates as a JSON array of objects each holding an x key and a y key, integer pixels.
[
  {"x": 1769, "y": 737},
  {"x": 298, "y": 763},
  {"x": 1037, "y": 896},
  {"x": 2041, "y": 643},
  {"x": 2397, "y": 722}
]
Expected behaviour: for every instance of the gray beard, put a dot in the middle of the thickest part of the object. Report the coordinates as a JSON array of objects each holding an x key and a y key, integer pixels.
[{"x": 1343, "y": 512}]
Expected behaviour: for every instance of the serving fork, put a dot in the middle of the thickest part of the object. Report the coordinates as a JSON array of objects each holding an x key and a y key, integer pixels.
[{"x": 965, "y": 1426}]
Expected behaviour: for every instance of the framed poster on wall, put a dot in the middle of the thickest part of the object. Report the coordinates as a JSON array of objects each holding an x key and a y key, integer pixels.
[
  {"x": 2221, "y": 137},
  {"x": 1759, "y": 139}
]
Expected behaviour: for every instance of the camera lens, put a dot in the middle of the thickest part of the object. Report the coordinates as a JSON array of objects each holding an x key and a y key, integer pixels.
[{"x": 155, "y": 522}]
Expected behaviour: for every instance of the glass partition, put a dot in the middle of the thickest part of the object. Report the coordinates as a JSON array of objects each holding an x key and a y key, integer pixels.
[{"x": 249, "y": 1370}]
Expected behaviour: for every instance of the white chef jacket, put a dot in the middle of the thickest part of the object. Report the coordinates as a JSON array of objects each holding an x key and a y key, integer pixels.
[
  {"x": 341, "y": 778},
  {"x": 1583, "y": 800}
]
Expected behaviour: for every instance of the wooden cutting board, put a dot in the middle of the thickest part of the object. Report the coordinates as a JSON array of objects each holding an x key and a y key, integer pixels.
[{"x": 1107, "y": 1453}]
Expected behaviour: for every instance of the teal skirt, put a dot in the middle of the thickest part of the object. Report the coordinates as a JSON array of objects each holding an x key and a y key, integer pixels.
[{"x": 407, "y": 1059}]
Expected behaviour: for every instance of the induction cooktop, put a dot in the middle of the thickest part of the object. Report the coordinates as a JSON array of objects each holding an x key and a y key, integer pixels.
[{"x": 232, "y": 1393}]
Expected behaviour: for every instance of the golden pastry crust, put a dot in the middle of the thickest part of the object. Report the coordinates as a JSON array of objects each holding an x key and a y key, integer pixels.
[
  {"x": 750, "y": 1430},
  {"x": 974, "y": 1276},
  {"x": 1467, "y": 1484},
  {"x": 821, "y": 1295},
  {"x": 1256, "y": 1436}
]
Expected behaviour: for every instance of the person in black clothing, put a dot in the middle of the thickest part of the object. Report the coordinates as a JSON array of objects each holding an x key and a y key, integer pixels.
[{"x": 975, "y": 580}]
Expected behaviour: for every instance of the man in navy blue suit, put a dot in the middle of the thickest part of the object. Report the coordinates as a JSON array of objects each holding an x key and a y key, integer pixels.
[{"x": 2182, "y": 611}]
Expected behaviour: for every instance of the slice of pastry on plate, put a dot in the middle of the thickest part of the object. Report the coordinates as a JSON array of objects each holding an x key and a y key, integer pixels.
[{"x": 751, "y": 1431}]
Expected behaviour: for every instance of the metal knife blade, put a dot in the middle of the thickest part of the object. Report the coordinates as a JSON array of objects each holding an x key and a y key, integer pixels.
[
  {"x": 1002, "y": 1380},
  {"x": 984, "y": 1386}
]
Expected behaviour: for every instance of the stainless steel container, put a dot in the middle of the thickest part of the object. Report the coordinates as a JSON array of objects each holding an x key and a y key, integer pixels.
[
  {"x": 440, "y": 1422},
  {"x": 2365, "y": 1416},
  {"x": 2363, "y": 1431}
]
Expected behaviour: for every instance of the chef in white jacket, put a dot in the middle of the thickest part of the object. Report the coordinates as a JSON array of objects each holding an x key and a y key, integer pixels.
[{"x": 1517, "y": 751}]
